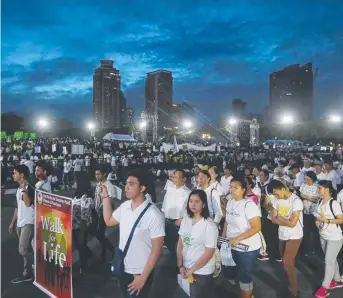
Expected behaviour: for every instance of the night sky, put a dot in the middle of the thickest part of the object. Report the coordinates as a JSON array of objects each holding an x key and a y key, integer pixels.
[{"x": 217, "y": 50}]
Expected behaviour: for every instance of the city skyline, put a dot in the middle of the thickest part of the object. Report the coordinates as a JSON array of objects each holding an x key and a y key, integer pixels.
[{"x": 215, "y": 50}]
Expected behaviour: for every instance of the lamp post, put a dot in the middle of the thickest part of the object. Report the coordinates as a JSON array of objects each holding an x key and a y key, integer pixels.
[
  {"x": 91, "y": 127},
  {"x": 42, "y": 124},
  {"x": 146, "y": 117},
  {"x": 187, "y": 124},
  {"x": 233, "y": 122}
]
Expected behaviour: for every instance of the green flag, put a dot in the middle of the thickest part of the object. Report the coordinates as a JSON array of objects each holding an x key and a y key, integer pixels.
[
  {"x": 33, "y": 136},
  {"x": 18, "y": 135}
]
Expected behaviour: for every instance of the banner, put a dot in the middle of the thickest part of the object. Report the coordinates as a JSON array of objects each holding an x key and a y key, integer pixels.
[
  {"x": 77, "y": 149},
  {"x": 38, "y": 149},
  {"x": 53, "y": 245},
  {"x": 190, "y": 147},
  {"x": 176, "y": 147}
]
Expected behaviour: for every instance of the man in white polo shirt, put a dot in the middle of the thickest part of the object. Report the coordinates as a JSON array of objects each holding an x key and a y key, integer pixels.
[
  {"x": 147, "y": 242},
  {"x": 23, "y": 218},
  {"x": 332, "y": 174},
  {"x": 174, "y": 209},
  {"x": 225, "y": 181}
]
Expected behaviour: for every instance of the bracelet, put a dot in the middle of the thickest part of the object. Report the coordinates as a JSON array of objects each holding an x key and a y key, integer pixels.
[
  {"x": 105, "y": 197},
  {"x": 181, "y": 267},
  {"x": 329, "y": 221}
]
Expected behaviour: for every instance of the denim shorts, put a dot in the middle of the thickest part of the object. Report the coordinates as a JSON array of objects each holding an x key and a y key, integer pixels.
[{"x": 244, "y": 268}]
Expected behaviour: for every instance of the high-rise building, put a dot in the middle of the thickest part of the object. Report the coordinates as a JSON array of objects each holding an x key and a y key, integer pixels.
[
  {"x": 291, "y": 92},
  {"x": 122, "y": 109},
  {"x": 129, "y": 114},
  {"x": 159, "y": 99},
  {"x": 238, "y": 108},
  {"x": 107, "y": 96}
]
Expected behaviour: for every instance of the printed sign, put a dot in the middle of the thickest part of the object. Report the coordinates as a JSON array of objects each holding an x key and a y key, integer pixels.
[
  {"x": 53, "y": 245},
  {"x": 77, "y": 149}
]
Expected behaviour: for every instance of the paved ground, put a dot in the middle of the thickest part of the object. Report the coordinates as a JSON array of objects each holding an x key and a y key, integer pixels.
[{"x": 269, "y": 280}]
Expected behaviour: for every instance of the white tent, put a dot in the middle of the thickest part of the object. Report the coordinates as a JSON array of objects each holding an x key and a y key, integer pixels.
[{"x": 117, "y": 137}]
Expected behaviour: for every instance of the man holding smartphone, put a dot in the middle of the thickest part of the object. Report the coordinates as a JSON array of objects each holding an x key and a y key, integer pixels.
[{"x": 23, "y": 218}]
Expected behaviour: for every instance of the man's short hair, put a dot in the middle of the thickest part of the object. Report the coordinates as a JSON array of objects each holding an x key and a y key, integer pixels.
[
  {"x": 182, "y": 171},
  {"x": 22, "y": 169},
  {"x": 275, "y": 184}
]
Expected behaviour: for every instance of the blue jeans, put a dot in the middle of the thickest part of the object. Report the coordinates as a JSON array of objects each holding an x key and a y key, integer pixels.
[{"x": 244, "y": 268}]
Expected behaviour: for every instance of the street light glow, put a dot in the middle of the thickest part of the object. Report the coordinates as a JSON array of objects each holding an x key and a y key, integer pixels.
[
  {"x": 42, "y": 122},
  {"x": 187, "y": 124},
  {"x": 232, "y": 121},
  {"x": 90, "y": 125},
  {"x": 335, "y": 118},
  {"x": 142, "y": 124},
  {"x": 287, "y": 119}
]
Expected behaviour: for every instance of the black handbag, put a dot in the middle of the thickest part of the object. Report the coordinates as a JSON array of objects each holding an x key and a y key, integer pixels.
[{"x": 117, "y": 264}]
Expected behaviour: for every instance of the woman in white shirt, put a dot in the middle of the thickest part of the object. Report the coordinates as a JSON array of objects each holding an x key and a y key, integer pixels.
[
  {"x": 329, "y": 216},
  {"x": 66, "y": 178},
  {"x": 214, "y": 182},
  {"x": 288, "y": 214},
  {"x": 213, "y": 197},
  {"x": 196, "y": 245},
  {"x": 310, "y": 196},
  {"x": 242, "y": 225}
]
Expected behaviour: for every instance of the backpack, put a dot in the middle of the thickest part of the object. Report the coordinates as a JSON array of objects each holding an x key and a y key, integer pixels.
[{"x": 331, "y": 209}]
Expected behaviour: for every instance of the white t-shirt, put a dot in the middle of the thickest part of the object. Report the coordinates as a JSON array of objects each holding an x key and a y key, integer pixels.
[
  {"x": 26, "y": 215},
  {"x": 195, "y": 238},
  {"x": 175, "y": 201},
  {"x": 150, "y": 226},
  {"x": 257, "y": 191},
  {"x": 321, "y": 176},
  {"x": 169, "y": 184},
  {"x": 67, "y": 165},
  {"x": 340, "y": 198},
  {"x": 30, "y": 164},
  {"x": 218, "y": 187},
  {"x": 77, "y": 165},
  {"x": 312, "y": 191},
  {"x": 225, "y": 182},
  {"x": 334, "y": 178},
  {"x": 304, "y": 170},
  {"x": 213, "y": 202},
  {"x": 44, "y": 185},
  {"x": 330, "y": 231},
  {"x": 286, "y": 208},
  {"x": 299, "y": 179},
  {"x": 111, "y": 193},
  {"x": 238, "y": 214}
]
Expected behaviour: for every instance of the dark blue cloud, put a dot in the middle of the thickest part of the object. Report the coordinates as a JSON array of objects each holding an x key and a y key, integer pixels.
[{"x": 217, "y": 50}]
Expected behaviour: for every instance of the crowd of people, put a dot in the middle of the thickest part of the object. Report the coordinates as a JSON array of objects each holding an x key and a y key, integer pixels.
[{"x": 221, "y": 210}]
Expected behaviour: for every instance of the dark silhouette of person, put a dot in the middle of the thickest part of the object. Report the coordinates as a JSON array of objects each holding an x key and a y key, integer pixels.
[
  {"x": 52, "y": 272},
  {"x": 40, "y": 255},
  {"x": 62, "y": 280},
  {"x": 58, "y": 275},
  {"x": 46, "y": 269},
  {"x": 67, "y": 269}
]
